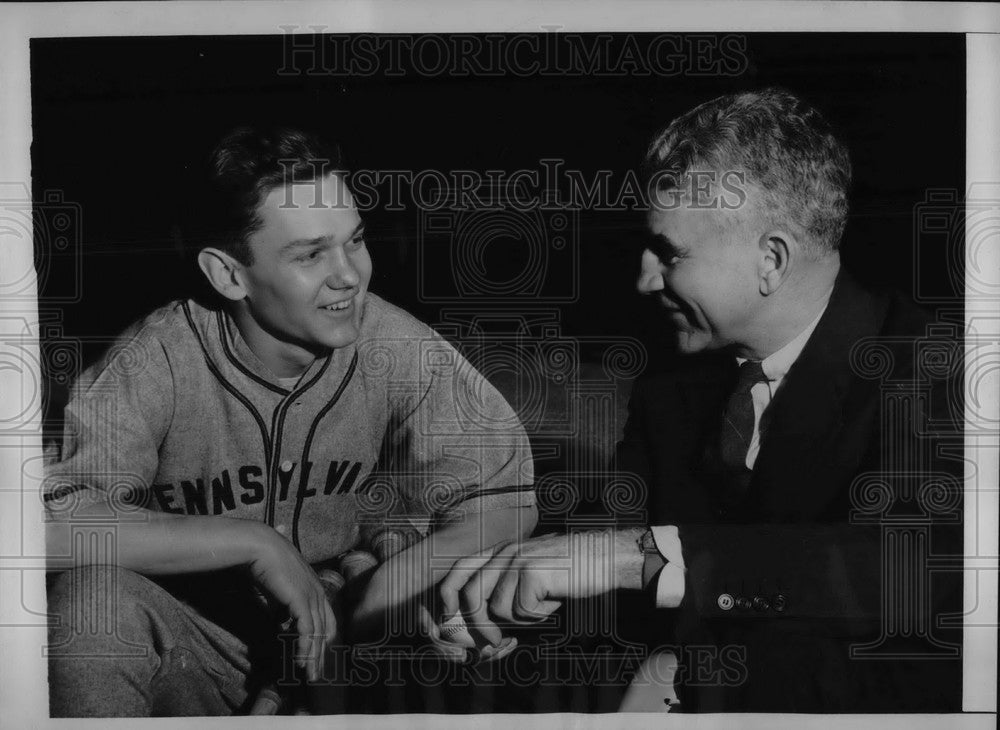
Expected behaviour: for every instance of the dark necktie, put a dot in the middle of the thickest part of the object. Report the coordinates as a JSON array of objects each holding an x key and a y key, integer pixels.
[{"x": 737, "y": 421}]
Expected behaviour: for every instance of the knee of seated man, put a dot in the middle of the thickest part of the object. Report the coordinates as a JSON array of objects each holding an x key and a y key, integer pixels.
[{"x": 105, "y": 608}]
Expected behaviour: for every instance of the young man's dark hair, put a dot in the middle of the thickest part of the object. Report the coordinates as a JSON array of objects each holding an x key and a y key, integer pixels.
[{"x": 240, "y": 171}]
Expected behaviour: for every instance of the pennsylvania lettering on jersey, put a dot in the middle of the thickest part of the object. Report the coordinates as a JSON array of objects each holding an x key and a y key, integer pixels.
[{"x": 246, "y": 486}]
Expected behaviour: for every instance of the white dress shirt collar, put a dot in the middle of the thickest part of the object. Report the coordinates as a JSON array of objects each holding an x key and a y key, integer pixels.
[{"x": 778, "y": 363}]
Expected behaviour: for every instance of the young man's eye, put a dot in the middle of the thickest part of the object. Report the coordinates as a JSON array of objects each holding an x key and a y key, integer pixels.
[
  {"x": 357, "y": 242},
  {"x": 311, "y": 256}
]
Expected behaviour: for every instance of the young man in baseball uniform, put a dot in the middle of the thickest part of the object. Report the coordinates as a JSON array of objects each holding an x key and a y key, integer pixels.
[{"x": 222, "y": 452}]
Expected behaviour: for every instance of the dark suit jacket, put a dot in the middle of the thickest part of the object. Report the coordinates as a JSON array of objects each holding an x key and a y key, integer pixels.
[{"x": 853, "y": 499}]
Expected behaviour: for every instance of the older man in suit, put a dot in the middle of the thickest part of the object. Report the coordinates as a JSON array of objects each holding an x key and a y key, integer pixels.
[{"x": 796, "y": 501}]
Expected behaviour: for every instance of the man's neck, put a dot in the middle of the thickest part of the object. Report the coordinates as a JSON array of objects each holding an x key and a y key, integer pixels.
[
  {"x": 798, "y": 309},
  {"x": 284, "y": 359}
]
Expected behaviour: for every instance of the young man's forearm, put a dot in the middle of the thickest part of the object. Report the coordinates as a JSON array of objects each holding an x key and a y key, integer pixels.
[
  {"x": 412, "y": 572},
  {"x": 153, "y": 543}
]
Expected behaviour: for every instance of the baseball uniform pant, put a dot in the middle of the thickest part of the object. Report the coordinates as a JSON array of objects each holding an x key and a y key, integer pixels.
[{"x": 122, "y": 645}]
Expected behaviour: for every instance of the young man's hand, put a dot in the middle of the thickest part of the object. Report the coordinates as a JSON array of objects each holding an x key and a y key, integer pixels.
[
  {"x": 281, "y": 570},
  {"x": 168, "y": 544}
]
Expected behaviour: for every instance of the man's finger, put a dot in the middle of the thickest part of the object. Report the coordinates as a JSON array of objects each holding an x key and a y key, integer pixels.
[
  {"x": 521, "y": 593},
  {"x": 501, "y": 603},
  {"x": 425, "y": 622},
  {"x": 505, "y": 647},
  {"x": 475, "y": 594},
  {"x": 458, "y": 576},
  {"x": 531, "y": 596},
  {"x": 447, "y": 650}
]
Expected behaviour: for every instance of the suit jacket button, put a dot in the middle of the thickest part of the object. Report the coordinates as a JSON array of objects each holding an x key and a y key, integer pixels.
[
  {"x": 742, "y": 603},
  {"x": 760, "y": 603},
  {"x": 779, "y": 602},
  {"x": 725, "y": 601}
]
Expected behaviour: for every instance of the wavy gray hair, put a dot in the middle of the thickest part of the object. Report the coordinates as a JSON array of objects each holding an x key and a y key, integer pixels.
[{"x": 785, "y": 148}]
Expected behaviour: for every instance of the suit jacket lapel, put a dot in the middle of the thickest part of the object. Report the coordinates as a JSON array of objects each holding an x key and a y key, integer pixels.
[
  {"x": 684, "y": 410},
  {"x": 800, "y": 448}
]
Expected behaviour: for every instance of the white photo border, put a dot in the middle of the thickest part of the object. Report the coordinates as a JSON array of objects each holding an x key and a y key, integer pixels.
[{"x": 23, "y": 685}]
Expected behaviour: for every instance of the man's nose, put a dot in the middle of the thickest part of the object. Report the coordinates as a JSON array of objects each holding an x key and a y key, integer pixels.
[
  {"x": 650, "y": 274},
  {"x": 342, "y": 273}
]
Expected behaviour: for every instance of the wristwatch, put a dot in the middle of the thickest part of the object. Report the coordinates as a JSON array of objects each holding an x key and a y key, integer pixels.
[{"x": 653, "y": 561}]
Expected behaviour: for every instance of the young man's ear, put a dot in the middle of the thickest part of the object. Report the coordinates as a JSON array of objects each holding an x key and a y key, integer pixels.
[
  {"x": 222, "y": 272},
  {"x": 779, "y": 249}
]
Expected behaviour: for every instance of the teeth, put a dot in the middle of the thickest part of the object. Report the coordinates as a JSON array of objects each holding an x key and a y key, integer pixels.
[{"x": 340, "y": 305}]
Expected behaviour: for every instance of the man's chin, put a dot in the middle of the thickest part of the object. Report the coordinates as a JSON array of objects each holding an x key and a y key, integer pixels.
[{"x": 690, "y": 342}]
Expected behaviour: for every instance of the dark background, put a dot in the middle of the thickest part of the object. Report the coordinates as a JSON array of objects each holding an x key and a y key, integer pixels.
[{"x": 118, "y": 123}]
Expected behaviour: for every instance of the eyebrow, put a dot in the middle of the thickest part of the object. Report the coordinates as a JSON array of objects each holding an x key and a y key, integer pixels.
[
  {"x": 301, "y": 243},
  {"x": 664, "y": 244}
]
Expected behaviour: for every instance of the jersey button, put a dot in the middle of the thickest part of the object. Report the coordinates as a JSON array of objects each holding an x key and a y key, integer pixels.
[
  {"x": 286, "y": 465},
  {"x": 281, "y": 528}
]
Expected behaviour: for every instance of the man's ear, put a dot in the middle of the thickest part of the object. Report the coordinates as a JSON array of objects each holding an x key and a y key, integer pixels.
[
  {"x": 222, "y": 272},
  {"x": 779, "y": 251}
]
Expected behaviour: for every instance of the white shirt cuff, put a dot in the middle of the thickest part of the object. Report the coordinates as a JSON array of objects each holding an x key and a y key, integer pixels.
[{"x": 670, "y": 584}]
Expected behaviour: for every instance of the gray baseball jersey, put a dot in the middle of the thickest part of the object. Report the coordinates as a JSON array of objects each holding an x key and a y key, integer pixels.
[{"x": 390, "y": 435}]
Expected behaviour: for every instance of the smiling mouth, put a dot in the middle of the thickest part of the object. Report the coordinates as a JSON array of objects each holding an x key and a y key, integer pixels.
[
  {"x": 670, "y": 307},
  {"x": 677, "y": 314},
  {"x": 339, "y": 306}
]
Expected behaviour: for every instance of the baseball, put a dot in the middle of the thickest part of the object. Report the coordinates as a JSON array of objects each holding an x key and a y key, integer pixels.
[{"x": 455, "y": 631}]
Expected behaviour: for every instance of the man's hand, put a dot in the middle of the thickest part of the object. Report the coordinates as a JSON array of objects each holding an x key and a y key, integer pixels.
[
  {"x": 281, "y": 570},
  {"x": 410, "y": 574},
  {"x": 524, "y": 582},
  {"x": 452, "y": 641}
]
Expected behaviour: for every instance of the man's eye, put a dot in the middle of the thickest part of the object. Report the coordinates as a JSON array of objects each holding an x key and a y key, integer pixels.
[
  {"x": 357, "y": 242},
  {"x": 668, "y": 257},
  {"x": 311, "y": 256},
  {"x": 665, "y": 252}
]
